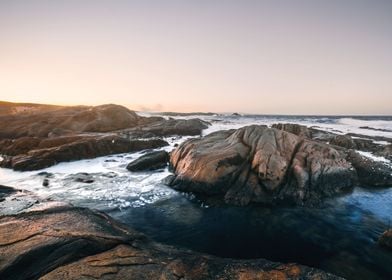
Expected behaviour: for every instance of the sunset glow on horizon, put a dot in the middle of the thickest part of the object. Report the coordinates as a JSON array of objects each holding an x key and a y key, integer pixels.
[{"x": 265, "y": 57}]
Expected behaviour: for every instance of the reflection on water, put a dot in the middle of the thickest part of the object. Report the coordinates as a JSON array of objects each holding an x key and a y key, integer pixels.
[{"x": 339, "y": 237}]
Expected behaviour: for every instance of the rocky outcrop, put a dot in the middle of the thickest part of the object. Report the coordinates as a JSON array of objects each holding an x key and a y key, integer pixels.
[
  {"x": 150, "y": 161},
  {"x": 83, "y": 148},
  {"x": 169, "y": 127},
  {"x": 299, "y": 130},
  {"x": 370, "y": 172},
  {"x": 69, "y": 120},
  {"x": 5, "y": 191},
  {"x": 64, "y": 242},
  {"x": 260, "y": 164},
  {"x": 45, "y": 135},
  {"x": 386, "y": 239},
  {"x": 359, "y": 142},
  {"x": 34, "y": 243}
]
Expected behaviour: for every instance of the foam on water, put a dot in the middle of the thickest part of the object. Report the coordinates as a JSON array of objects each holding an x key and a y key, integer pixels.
[
  {"x": 375, "y": 158},
  {"x": 114, "y": 186}
]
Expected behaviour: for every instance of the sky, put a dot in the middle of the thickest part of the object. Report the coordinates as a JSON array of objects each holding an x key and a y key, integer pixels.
[{"x": 265, "y": 57}]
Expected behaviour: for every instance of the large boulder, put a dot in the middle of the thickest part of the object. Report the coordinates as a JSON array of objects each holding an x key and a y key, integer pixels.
[
  {"x": 260, "y": 164},
  {"x": 150, "y": 161},
  {"x": 64, "y": 242},
  {"x": 83, "y": 148}
]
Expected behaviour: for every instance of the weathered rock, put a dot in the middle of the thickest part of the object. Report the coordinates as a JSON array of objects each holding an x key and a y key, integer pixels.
[
  {"x": 75, "y": 243},
  {"x": 58, "y": 121},
  {"x": 348, "y": 141},
  {"x": 297, "y": 129},
  {"x": 150, "y": 161},
  {"x": 168, "y": 128},
  {"x": 367, "y": 145},
  {"x": 343, "y": 141},
  {"x": 386, "y": 239},
  {"x": 34, "y": 243},
  {"x": 306, "y": 132},
  {"x": 260, "y": 164},
  {"x": 88, "y": 147},
  {"x": 370, "y": 172},
  {"x": 14, "y": 201},
  {"x": 385, "y": 152},
  {"x": 18, "y": 146},
  {"x": 126, "y": 262},
  {"x": 5, "y": 191},
  {"x": 81, "y": 178}
]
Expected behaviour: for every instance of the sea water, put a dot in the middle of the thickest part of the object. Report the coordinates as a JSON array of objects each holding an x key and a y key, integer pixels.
[{"x": 339, "y": 236}]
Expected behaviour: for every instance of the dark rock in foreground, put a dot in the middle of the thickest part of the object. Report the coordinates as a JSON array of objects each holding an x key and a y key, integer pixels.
[
  {"x": 84, "y": 148},
  {"x": 386, "y": 239},
  {"x": 150, "y": 161},
  {"x": 64, "y": 242},
  {"x": 267, "y": 165}
]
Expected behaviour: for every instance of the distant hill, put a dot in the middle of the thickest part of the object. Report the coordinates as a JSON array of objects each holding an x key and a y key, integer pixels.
[
  {"x": 40, "y": 120},
  {"x": 8, "y": 108}
]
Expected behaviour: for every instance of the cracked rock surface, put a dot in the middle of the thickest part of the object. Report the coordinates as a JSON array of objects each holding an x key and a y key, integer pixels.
[
  {"x": 64, "y": 242},
  {"x": 268, "y": 165}
]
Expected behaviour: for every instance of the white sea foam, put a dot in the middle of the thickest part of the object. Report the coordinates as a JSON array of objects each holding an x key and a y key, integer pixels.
[
  {"x": 116, "y": 187},
  {"x": 374, "y": 157}
]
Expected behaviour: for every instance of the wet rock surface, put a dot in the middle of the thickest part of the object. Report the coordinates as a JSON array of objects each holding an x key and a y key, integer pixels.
[
  {"x": 85, "y": 148},
  {"x": 170, "y": 127},
  {"x": 150, "y": 161},
  {"x": 268, "y": 165},
  {"x": 370, "y": 173},
  {"x": 41, "y": 137},
  {"x": 57, "y": 241}
]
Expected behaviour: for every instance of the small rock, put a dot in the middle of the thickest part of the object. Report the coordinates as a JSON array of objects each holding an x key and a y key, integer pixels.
[
  {"x": 45, "y": 183},
  {"x": 150, "y": 161}
]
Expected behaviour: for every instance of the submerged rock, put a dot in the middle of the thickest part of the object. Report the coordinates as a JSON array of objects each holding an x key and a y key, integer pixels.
[
  {"x": 150, "y": 161},
  {"x": 64, "y": 242},
  {"x": 261, "y": 164},
  {"x": 81, "y": 178}
]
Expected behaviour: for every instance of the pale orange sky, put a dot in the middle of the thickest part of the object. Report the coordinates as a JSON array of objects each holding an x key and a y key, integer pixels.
[{"x": 279, "y": 57}]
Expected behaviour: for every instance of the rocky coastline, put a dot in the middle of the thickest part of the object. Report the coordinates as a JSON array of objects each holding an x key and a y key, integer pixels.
[{"x": 278, "y": 165}]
